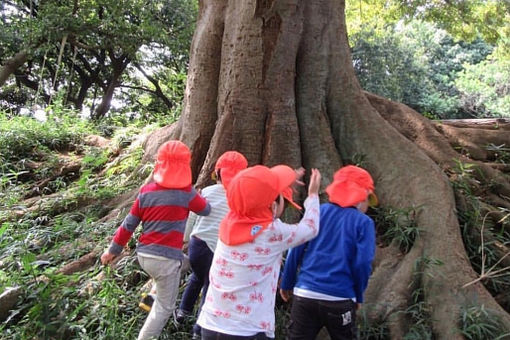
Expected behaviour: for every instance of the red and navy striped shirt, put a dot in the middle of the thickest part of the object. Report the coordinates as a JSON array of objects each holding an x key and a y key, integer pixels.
[{"x": 163, "y": 213}]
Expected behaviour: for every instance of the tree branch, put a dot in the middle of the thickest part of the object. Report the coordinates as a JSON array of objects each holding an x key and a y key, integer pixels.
[
  {"x": 141, "y": 88},
  {"x": 159, "y": 92}
]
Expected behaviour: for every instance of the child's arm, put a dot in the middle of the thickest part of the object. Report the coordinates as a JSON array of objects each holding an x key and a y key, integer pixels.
[
  {"x": 365, "y": 252},
  {"x": 190, "y": 224},
  {"x": 308, "y": 227},
  {"x": 123, "y": 234},
  {"x": 290, "y": 271},
  {"x": 199, "y": 204}
]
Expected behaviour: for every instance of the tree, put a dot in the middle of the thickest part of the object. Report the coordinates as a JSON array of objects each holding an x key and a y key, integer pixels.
[
  {"x": 416, "y": 64},
  {"x": 274, "y": 80},
  {"x": 78, "y": 46}
]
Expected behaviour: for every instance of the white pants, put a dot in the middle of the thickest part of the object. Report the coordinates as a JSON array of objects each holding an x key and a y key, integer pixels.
[{"x": 165, "y": 275}]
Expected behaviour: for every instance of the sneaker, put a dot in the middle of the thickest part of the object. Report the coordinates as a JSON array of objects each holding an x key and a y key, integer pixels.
[
  {"x": 180, "y": 316},
  {"x": 146, "y": 302}
]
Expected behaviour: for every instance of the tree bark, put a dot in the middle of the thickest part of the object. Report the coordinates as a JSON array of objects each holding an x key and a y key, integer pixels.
[
  {"x": 273, "y": 79},
  {"x": 119, "y": 65},
  {"x": 11, "y": 65}
]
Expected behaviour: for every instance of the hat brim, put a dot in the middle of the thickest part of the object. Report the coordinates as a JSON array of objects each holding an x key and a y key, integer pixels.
[
  {"x": 287, "y": 194},
  {"x": 373, "y": 201},
  {"x": 172, "y": 174},
  {"x": 286, "y": 176}
]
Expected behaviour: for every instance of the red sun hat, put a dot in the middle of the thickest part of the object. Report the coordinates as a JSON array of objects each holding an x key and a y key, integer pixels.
[
  {"x": 351, "y": 185},
  {"x": 229, "y": 164},
  {"x": 172, "y": 169},
  {"x": 249, "y": 197},
  {"x": 287, "y": 191}
]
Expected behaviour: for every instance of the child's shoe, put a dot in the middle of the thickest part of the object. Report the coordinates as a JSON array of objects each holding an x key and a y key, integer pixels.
[
  {"x": 180, "y": 316},
  {"x": 146, "y": 302}
]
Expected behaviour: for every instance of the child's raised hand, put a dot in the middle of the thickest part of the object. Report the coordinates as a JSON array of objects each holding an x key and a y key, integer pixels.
[{"x": 315, "y": 182}]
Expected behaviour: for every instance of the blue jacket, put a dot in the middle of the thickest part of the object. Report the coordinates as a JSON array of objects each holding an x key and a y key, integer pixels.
[{"x": 338, "y": 261}]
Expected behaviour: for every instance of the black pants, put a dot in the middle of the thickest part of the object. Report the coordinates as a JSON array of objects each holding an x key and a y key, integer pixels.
[
  {"x": 212, "y": 335},
  {"x": 308, "y": 316}
]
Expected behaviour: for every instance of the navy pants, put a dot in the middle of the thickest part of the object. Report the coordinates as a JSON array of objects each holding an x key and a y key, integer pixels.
[
  {"x": 200, "y": 259},
  {"x": 308, "y": 316}
]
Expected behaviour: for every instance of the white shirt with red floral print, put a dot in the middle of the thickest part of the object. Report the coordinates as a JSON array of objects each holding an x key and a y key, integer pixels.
[{"x": 244, "y": 278}]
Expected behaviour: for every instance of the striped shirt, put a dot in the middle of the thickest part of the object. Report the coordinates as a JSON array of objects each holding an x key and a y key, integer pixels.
[
  {"x": 206, "y": 227},
  {"x": 163, "y": 213}
]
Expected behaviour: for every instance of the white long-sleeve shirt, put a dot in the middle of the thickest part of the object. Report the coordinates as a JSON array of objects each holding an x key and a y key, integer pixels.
[{"x": 244, "y": 278}]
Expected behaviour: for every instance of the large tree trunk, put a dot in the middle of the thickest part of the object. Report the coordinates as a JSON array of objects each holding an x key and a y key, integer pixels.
[{"x": 273, "y": 79}]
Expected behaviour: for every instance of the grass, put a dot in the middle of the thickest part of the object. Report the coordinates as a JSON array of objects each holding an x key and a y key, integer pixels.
[
  {"x": 482, "y": 235},
  {"x": 397, "y": 226},
  {"x": 58, "y": 229},
  {"x": 479, "y": 323}
]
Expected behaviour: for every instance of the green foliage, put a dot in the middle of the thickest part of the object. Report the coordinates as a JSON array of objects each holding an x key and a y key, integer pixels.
[
  {"x": 397, "y": 226},
  {"x": 478, "y": 323},
  {"x": 484, "y": 256},
  {"x": 424, "y": 79},
  {"x": 484, "y": 88},
  {"x": 95, "y": 159},
  {"x": 466, "y": 20},
  {"x": 142, "y": 41},
  {"x": 420, "y": 329},
  {"x": 23, "y": 138}
]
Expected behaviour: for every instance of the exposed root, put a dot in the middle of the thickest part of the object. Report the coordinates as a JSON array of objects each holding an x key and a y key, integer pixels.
[
  {"x": 69, "y": 169},
  {"x": 391, "y": 287},
  {"x": 489, "y": 123},
  {"x": 83, "y": 263},
  {"x": 8, "y": 299},
  {"x": 450, "y": 269}
]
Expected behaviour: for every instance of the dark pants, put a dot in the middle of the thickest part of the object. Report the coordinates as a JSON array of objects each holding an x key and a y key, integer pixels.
[
  {"x": 308, "y": 316},
  {"x": 212, "y": 335},
  {"x": 200, "y": 259}
]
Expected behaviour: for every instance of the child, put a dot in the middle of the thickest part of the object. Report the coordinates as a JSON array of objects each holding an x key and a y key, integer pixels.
[
  {"x": 336, "y": 265},
  {"x": 162, "y": 206},
  {"x": 244, "y": 272},
  {"x": 204, "y": 233}
]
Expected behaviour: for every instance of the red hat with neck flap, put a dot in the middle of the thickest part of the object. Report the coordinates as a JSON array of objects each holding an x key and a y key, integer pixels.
[{"x": 249, "y": 196}]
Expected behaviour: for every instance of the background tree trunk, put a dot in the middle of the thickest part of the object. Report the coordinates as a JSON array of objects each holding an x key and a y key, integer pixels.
[
  {"x": 119, "y": 65},
  {"x": 11, "y": 65},
  {"x": 273, "y": 79}
]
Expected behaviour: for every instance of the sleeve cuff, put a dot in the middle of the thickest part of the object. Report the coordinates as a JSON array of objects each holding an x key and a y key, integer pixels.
[{"x": 115, "y": 248}]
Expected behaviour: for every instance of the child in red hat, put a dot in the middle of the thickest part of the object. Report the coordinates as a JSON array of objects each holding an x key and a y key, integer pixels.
[
  {"x": 202, "y": 232},
  {"x": 334, "y": 266},
  {"x": 162, "y": 207},
  {"x": 246, "y": 264}
]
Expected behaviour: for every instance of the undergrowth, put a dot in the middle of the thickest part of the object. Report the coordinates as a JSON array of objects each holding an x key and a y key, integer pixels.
[
  {"x": 39, "y": 234},
  {"x": 477, "y": 323},
  {"x": 483, "y": 236},
  {"x": 397, "y": 226}
]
